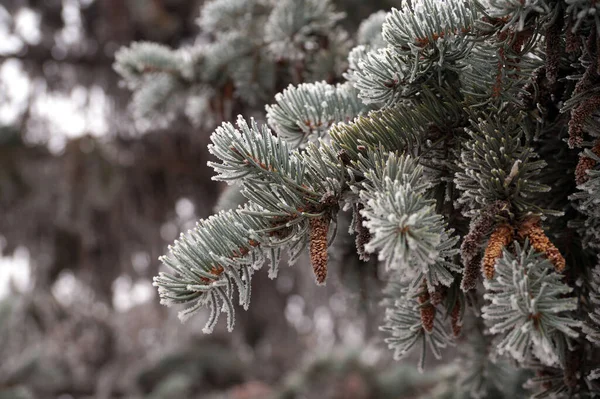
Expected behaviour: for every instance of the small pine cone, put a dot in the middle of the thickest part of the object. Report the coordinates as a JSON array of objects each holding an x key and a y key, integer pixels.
[
  {"x": 585, "y": 163},
  {"x": 427, "y": 311},
  {"x": 572, "y": 42},
  {"x": 531, "y": 229},
  {"x": 471, "y": 245},
  {"x": 456, "y": 320},
  {"x": 579, "y": 115},
  {"x": 471, "y": 273},
  {"x": 499, "y": 239},
  {"x": 318, "y": 247},
  {"x": 437, "y": 296}
]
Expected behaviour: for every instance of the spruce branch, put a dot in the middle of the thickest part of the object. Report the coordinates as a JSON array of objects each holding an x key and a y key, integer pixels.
[
  {"x": 205, "y": 270},
  {"x": 391, "y": 129},
  {"x": 529, "y": 305},
  {"x": 292, "y": 198},
  {"x": 306, "y": 112},
  {"x": 252, "y": 153},
  {"x": 583, "y": 12},
  {"x": 295, "y": 25},
  {"x": 586, "y": 201},
  {"x": 517, "y": 13},
  {"x": 156, "y": 73},
  {"x": 224, "y": 55},
  {"x": 403, "y": 322},
  {"x": 288, "y": 186},
  {"x": 141, "y": 58},
  {"x": 219, "y": 16},
  {"x": 496, "y": 71},
  {"x": 404, "y": 128},
  {"x": 592, "y": 327},
  {"x": 496, "y": 165},
  {"x": 370, "y": 31},
  {"x": 435, "y": 75},
  {"x": 384, "y": 77},
  {"x": 552, "y": 382},
  {"x": 481, "y": 373},
  {"x": 406, "y": 231},
  {"x": 430, "y": 29}
]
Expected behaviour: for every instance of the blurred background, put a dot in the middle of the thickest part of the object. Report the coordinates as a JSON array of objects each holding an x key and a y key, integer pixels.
[{"x": 91, "y": 196}]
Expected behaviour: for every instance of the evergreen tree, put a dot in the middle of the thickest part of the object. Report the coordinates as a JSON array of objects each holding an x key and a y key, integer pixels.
[{"x": 447, "y": 132}]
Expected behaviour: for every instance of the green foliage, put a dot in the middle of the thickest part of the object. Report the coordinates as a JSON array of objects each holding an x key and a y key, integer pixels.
[
  {"x": 432, "y": 30},
  {"x": 435, "y": 130},
  {"x": 135, "y": 62},
  {"x": 295, "y": 25},
  {"x": 481, "y": 375},
  {"x": 369, "y": 31},
  {"x": 583, "y": 12},
  {"x": 407, "y": 232},
  {"x": 403, "y": 323},
  {"x": 155, "y": 72},
  {"x": 517, "y": 12},
  {"x": 587, "y": 202},
  {"x": 219, "y": 16},
  {"x": 592, "y": 328},
  {"x": 496, "y": 165},
  {"x": 306, "y": 112},
  {"x": 529, "y": 306},
  {"x": 255, "y": 46}
]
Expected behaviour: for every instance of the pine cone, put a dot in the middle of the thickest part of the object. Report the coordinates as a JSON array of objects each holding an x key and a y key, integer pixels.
[
  {"x": 531, "y": 229},
  {"x": 427, "y": 311},
  {"x": 470, "y": 248},
  {"x": 499, "y": 239},
  {"x": 318, "y": 247},
  {"x": 585, "y": 163},
  {"x": 579, "y": 115}
]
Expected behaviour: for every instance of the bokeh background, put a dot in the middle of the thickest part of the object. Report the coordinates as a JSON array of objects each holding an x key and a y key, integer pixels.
[{"x": 91, "y": 196}]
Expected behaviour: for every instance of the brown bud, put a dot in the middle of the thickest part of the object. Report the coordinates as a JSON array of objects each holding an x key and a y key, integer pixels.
[{"x": 216, "y": 270}]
